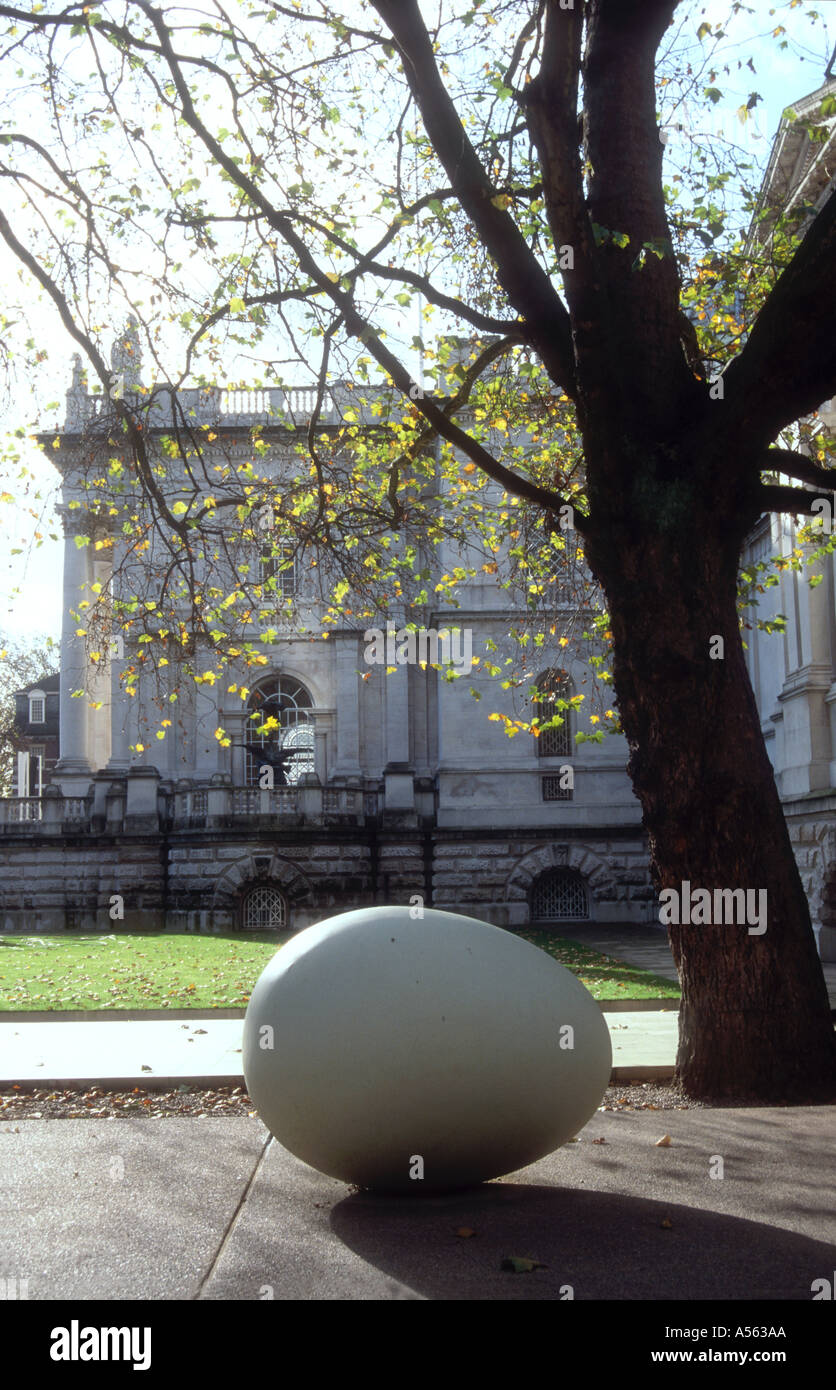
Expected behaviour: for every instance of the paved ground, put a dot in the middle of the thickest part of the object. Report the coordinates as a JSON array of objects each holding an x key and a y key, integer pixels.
[
  {"x": 214, "y": 1209},
  {"x": 207, "y": 1051}
]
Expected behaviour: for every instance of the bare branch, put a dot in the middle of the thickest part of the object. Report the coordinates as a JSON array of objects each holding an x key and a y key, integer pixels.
[
  {"x": 524, "y": 280},
  {"x": 788, "y": 366}
]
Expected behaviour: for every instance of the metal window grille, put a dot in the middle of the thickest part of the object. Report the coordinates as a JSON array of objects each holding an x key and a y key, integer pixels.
[
  {"x": 558, "y": 896},
  {"x": 264, "y": 910},
  {"x": 552, "y": 790},
  {"x": 553, "y": 686}
]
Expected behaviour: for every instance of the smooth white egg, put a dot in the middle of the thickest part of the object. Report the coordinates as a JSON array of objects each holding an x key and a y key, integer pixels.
[{"x": 418, "y": 1054}]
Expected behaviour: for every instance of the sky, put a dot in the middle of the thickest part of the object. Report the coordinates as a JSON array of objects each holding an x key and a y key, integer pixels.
[{"x": 781, "y": 76}]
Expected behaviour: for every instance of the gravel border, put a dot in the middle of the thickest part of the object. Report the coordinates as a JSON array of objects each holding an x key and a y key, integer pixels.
[{"x": 98, "y": 1103}]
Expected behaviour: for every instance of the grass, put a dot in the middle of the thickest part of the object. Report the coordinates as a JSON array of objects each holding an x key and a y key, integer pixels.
[
  {"x": 133, "y": 970},
  {"x": 159, "y": 970},
  {"x": 604, "y": 976}
]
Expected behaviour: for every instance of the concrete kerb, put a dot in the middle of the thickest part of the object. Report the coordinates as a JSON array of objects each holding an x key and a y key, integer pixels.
[{"x": 607, "y": 1006}]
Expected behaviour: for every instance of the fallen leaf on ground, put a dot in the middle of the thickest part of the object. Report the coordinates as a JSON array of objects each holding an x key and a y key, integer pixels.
[
  {"x": 666, "y": 1223},
  {"x": 519, "y": 1265},
  {"x": 465, "y": 1232},
  {"x": 664, "y": 1143}
]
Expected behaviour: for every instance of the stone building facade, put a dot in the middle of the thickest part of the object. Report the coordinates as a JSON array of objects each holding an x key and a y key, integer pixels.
[
  {"x": 393, "y": 786},
  {"x": 793, "y": 673}
]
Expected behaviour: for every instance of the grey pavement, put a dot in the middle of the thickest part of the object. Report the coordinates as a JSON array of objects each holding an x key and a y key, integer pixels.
[
  {"x": 162, "y": 1053},
  {"x": 212, "y": 1208}
]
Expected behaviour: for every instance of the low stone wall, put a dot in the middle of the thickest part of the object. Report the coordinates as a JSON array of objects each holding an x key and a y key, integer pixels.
[
  {"x": 63, "y": 883},
  {"x": 196, "y": 880},
  {"x": 492, "y": 877}
]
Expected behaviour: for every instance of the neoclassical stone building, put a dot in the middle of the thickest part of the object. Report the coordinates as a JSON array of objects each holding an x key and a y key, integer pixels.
[
  {"x": 794, "y": 674},
  {"x": 387, "y": 786},
  {"x": 390, "y": 785}
]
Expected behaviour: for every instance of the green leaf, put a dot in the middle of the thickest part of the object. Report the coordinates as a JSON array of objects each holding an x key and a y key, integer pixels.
[{"x": 237, "y": 306}]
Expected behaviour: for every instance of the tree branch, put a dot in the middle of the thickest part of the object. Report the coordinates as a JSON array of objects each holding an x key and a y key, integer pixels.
[
  {"x": 788, "y": 366},
  {"x": 355, "y": 323},
  {"x": 524, "y": 280},
  {"x": 797, "y": 466},
  {"x": 775, "y": 498}
]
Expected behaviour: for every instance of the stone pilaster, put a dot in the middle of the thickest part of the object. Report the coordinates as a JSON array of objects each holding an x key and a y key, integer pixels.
[{"x": 73, "y": 770}]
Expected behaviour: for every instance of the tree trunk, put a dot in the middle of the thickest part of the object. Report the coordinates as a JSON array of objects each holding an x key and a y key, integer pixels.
[{"x": 755, "y": 1019}]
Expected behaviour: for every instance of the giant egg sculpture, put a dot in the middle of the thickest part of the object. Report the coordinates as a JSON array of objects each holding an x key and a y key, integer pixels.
[{"x": 418, "y": 1054}]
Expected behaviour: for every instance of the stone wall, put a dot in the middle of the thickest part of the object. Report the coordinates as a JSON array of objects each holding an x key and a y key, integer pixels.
[
  {"x": 195, "y": 880},
  {"x": 491, "y": 877},
  {"x": 812, "y": 826},
  {"x": 51, "y": 884}
]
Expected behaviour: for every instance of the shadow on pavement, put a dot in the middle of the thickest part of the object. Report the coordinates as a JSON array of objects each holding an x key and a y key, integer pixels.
[{"x": 603, "y": 1245}]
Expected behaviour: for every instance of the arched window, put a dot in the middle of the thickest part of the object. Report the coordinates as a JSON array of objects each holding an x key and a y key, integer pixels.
[
  {"x": 286, "y": 744},
  {"x": 559, "y": 895},
  {"x": 264, "y": 909},
  {"x": 554, "y": 687}
]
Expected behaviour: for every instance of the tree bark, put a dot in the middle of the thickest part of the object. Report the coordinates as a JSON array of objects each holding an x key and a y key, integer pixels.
[{"x": 755, "y": 1018}]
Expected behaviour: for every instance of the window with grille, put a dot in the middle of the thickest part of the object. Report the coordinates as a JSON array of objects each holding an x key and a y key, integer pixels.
[
  {"x": 264, "y": 910},
  {"x": 287, "y": 746},
  {"x": 278, "y": 564},
  {"x": 37, "y": 709},
  {"x": 553, "y": 687},
  {"x": 552, "y": 790},
  {"x": 558, "y": 896}
]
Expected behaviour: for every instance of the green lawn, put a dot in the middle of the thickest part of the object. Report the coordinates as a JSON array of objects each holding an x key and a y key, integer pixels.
[
  {"x": 154, "y": 970},
  {"x": 133, "y": 970},
  {"x": 604, "y": 977}
]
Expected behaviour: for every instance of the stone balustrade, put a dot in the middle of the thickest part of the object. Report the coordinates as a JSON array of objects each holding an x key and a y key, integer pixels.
[
  {"x": 187, "y": 805},
  {"x": 290, "y": 406}
]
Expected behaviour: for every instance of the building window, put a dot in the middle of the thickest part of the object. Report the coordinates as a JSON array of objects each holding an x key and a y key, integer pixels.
[
  {"x": 286, "y": 745},
  {"x": 278, "y": 569},
  {"x": 264, "y": 909},
  {"x": 555, "y": 787},
  {"x": 553, "y": 689},
  {"x": 37, "y": 707},
  {"x": 559, "y": 895},
  {"x": 37, "y": 755}
]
